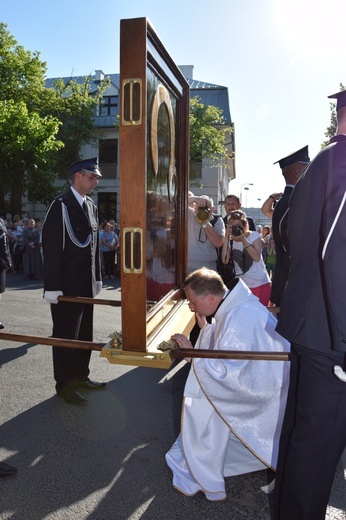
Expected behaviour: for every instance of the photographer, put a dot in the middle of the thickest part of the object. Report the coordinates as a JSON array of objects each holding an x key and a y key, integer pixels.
[
  {"x": 203, "y": 238},
  {"x": 245, "y": 248}
]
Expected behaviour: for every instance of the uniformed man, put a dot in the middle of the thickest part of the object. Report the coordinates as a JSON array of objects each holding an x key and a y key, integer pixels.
[
  {"x": 312, "y": 318},
  {"x": 292, "y": 167},
  {"x": 71, "y": 257}
]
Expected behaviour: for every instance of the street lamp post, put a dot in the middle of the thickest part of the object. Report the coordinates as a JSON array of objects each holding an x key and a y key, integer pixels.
[
  {"x": 241, "y": 188},
  {"x": 246, "y": 189},
  {"x": 258, "y": 211}
]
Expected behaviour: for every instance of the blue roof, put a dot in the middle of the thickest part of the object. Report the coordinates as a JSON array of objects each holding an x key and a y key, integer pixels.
[
  {"x": 115, "y": 80},
  {"x": 208, "y": 93}
]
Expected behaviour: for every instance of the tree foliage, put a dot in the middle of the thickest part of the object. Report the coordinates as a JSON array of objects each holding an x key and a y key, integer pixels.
[
  {"x": 74, "y": 106},
  {"x": 331, "y": 130},
  {"x": 41, "y": 129},
  {"x": 27, "y": 140},
  {"x": 207, "y": 135}
]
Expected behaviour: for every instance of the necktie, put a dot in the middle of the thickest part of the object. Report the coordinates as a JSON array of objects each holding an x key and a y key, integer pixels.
[{"x": 85, "y": 208}]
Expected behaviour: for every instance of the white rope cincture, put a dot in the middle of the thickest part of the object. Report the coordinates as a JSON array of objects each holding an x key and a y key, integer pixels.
[
  {"x": 70, "y": 231},
  {"x": 63, "y": 226},
  {"x": 333, "y": 225}
]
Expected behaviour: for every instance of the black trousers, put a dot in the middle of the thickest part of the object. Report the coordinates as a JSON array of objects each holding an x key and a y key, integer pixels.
[
  {"x": 313, "y": 436},
  {"x": 71, "y": 321},
  {"x": 109, "y": 262}
]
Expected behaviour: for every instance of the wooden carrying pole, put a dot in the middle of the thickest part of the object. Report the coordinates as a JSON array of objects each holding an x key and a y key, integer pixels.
[
  {"x": 90, "y": 301},
  {"x": 175, "y": 353},
  {"x": 230, "y": 354},
  {"x": 55, "y": 342}
]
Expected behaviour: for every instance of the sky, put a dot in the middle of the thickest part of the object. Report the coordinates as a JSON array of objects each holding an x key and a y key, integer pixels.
[{"x": 279, "y": 59}]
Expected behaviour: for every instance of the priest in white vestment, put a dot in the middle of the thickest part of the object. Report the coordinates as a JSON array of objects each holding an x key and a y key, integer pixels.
[{"x": 232, "y": 409}]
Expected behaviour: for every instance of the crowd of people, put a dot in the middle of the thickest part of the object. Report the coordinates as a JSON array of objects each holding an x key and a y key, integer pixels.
[
  {"x": 25, "y": 243},
  {"x": 232, "y": 245},
  {"x": 24, "y": 235}
]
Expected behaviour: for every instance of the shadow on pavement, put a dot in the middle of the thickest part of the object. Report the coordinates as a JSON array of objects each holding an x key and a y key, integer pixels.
[
  {"x": 10, "y": 354},
  {"x": 106, "y": 460}
]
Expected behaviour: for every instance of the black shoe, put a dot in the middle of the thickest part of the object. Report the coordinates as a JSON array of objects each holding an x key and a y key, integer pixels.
[
  {"x": 2, "y": 326},
  {"x": 73, "y": 397},
  {"x": 6, "y": 470},
  {"x": 91, "y": 385}
]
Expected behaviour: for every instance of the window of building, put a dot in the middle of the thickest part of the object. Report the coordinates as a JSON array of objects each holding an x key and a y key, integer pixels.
[
  {"x": 108, "y": 157},
  {"x": 108, "y": 151},
  {"x": 109, "y": 106}
]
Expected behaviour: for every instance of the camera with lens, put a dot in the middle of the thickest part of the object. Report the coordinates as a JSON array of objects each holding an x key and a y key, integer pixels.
[
  {"x": 236, "y": 230},
  {"x": 202, "y": 214}
]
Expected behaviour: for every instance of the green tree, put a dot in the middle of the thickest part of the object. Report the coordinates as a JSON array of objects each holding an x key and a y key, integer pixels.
[
  {"x": 331, "y": 130},
  {"x": 74, "y": 105},
  {"x": 207, "y": 137},
  {"x": 41, "y": 129},
  {"x": 26, "y": 136},
  {"x": 26, "y": 141}
]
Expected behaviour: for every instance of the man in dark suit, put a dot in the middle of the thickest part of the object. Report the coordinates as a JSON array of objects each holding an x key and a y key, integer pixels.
[
  {"x": 5, "y": 258},
  {"x": 70, "y": 242},
  {"x": 5, "y": 263},
  {"x": 292, "y": 167},
  {"x": 312, "y": 317}
]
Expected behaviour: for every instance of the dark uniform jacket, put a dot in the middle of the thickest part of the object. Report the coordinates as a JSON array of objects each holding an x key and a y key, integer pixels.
[
  {"x": 5, "y": 256},
  {"x": 282, "y": 262},
  {"x": 70, "y": 243},
  {"x": 312, "y": 309}
]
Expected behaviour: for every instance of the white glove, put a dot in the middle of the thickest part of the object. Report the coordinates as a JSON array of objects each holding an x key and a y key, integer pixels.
[
  {"x": 98, "y": 287},
  {"x": 340, "y": 373},
  {"x": 52, "y": 296}
]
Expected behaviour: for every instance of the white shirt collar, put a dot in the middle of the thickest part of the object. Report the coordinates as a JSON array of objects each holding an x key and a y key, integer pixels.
[{"x": 78, "y": 196}]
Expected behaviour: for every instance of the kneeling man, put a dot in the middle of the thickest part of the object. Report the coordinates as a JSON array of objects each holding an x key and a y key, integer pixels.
[{"x": 232, "y": 409}]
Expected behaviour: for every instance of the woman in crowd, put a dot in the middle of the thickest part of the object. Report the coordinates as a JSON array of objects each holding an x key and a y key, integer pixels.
[
  {"x": 17, "y": 246},
  {"x": 109, "y": 242},
  {"x": 32, "y": 261},
  {"x": 265, "y": 232},
  {"x": 270, "y": 256},
  {"x": 245, "y": 248}
]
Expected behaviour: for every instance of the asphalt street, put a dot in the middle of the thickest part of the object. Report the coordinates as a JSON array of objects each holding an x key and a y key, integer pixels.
[{"x": 104, "y": 460}]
